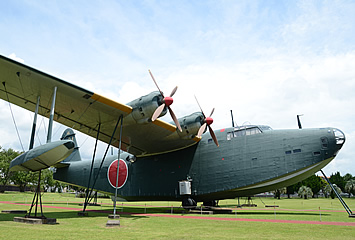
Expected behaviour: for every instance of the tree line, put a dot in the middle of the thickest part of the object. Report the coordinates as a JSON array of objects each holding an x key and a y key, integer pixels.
[{"x": 314, "y": 186}]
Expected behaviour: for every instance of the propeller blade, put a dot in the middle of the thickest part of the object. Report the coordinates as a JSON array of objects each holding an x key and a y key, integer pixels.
[
  {"x": 156, "y": 83},
  {"x": 167, "y": 101},
  {"x": 157, "y": 112},
  {"x": 200, "y": 107},
  {"x": 175, "y": 119},
  {"x": 212, "y": 112},
  {"x": 201, "y": 130},
  {"x": 213, "y": 135},
  {"x": 173, "y": 92}
]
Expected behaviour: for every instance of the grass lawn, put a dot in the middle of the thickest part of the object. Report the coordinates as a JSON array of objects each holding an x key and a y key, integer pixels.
[{"x": 159, "y": 223}]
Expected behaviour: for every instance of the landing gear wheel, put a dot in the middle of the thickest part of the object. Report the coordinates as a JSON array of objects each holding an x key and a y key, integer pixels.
[
  {"x": 189, "y": 203},
  {"x": 212, "y": 203}
]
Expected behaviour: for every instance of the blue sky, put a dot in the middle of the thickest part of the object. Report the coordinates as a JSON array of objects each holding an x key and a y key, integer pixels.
[{"x": 266, "y": 60}]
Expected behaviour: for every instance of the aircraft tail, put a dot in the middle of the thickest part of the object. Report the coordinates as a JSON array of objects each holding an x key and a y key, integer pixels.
[{"x": 69, "y": 134}]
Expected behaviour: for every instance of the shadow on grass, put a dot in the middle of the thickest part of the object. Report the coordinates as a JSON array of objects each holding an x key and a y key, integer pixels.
[
  {"x": 137, "y": 212},
  {"x": 70, "y": 214}
]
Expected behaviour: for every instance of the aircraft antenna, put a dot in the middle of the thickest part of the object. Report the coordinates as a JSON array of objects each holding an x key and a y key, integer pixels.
[
  {"x": 232, "y": 118},
  {"x": 299, "y": 121}
]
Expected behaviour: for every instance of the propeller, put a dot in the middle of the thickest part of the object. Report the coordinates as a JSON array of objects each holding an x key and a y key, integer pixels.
[
  {"x": 167, "y": 101},
  {"x": 207, "y": 121}
]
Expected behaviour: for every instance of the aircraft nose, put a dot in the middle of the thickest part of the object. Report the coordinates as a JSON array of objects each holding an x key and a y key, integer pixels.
[{"x": 339, "y": 137}]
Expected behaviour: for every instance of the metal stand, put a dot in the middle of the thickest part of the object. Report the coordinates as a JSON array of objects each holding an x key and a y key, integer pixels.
[
  {"x": 37, "y": 197},
  {"x": 338, "y": 196},
  {"x": 118, "y": 168},
  {"x": 116, "y": 222}
]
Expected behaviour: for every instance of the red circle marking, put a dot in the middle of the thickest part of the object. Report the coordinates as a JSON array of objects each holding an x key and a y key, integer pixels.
[{"x": 122, "y": 174}]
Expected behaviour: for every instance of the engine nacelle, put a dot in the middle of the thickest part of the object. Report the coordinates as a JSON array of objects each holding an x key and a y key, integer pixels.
[
  {"x": 190, "y": 125},
  {"x": 145, "y": 106}
]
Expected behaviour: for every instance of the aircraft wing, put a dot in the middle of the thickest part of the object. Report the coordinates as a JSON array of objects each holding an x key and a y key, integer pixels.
[{"x": 84, "y": 110}]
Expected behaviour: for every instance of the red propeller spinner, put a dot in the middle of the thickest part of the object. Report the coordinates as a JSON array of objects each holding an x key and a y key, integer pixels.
[
  {"x": 167, "y": 101},
  {"x": 207, "y": 121}
]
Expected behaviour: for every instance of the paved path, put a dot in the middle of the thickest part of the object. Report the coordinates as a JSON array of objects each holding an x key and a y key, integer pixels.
[{"x": 199, "y": 217}]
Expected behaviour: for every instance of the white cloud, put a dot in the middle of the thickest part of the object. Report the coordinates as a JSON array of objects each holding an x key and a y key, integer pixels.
[
  {"x": 267, "y": 62},
  {"x": 14, "y": 57}
]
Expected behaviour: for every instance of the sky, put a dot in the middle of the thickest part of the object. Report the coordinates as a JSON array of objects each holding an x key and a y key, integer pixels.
[{"x": 266, "y": 60}]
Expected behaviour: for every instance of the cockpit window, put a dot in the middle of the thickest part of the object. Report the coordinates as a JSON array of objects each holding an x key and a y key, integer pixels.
[
  {"x": 264, "y": 128},
  {"x": 243, "y": 132}
]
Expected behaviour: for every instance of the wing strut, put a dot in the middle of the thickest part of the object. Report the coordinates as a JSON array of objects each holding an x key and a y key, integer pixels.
[
  {"x": 34, "y": 124},
  {"x": 89, "y": 195},
  {"x": 51, "y": 116},
  {"x": 92, "y": 166}
]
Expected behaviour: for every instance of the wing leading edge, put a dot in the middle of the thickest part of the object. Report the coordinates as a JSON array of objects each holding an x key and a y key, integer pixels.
[{"x": 84, "y": 110}]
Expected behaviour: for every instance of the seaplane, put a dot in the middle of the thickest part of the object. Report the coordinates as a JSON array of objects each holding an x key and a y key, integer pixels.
[{"x": 185, "y": 160}]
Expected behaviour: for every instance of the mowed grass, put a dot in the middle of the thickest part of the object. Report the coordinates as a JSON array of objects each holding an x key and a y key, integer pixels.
[{"x": 172, "y": 226}]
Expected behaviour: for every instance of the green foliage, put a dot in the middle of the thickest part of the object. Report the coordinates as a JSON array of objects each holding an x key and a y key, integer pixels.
[
  {"x": 314, "y": 182},
  {"x": 5, "y": 158},
  {"x": 328, "y": 191},
  {"x": 350, "y": 187},
  {"x": 305, "y": 192},
  {"x": 348, "y": 177},
  {"x": 278, "y": 192},
  {"x": 47, "y": 180},
  {"x": 338, "y": 180},
  {"x": 22, "y": 179}
]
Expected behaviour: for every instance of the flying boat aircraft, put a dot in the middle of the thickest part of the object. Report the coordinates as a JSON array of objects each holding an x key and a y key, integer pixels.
[{"x": 179, "y": 161}]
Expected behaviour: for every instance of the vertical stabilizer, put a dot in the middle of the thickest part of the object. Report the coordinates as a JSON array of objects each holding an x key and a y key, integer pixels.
[{"x": 69, "y": 134}]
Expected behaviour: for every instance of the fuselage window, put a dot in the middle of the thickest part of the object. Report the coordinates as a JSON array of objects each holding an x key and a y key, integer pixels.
[
  {"x": 243, "y": 132},
  {"x": 288, "y": 152},
  {"x": 316, "y": 153},
  {"x": 297, "y": 150}
]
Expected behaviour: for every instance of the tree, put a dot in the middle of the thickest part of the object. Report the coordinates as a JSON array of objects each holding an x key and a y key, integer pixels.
[
  {"x": 47, "y": 180},
  {"x": 329, "y": 191},
  {"x": 278, "y": 192},
  {"x": 350, "y": 187},
  {"x": 22, "y": 178},
  {"x": 315, "y": 183},
  {"x": 290, "y": 190},
  {"x": 338, "y": 180},
  {"x": 347, "y": 177},
  {"x": 5, "y": 158},
  {"x": 305, "y": 192}
]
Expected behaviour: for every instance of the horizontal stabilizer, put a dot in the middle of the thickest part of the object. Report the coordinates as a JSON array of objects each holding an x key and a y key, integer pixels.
[{"x": 43, "y": 157}]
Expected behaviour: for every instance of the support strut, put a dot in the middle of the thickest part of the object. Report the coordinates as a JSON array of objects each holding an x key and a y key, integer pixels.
[
  {"x": 34, "y": 124},
  {"x": 89, "y": 194},
  {"x": 51, "y": 116},
  {"x": 338, "y": 196},
  {"x": 91, "y": 168}
]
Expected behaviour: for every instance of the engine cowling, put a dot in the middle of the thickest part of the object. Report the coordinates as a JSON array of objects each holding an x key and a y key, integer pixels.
[
  {"x": 190, "y": 125},
  {"x": 144, "y": 107}
]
